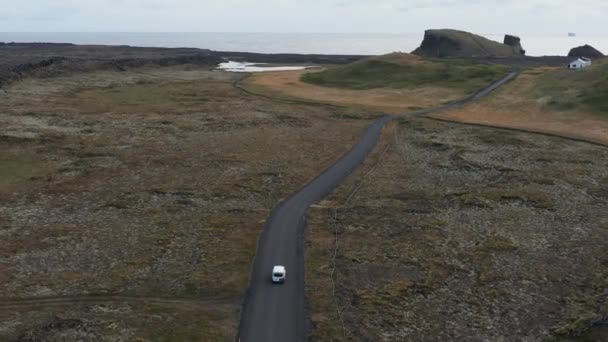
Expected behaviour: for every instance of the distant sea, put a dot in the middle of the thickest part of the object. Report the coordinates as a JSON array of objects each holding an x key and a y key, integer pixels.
[{"x": 305, "y": 43}]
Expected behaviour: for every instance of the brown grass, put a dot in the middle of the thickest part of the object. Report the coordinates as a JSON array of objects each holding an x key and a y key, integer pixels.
[
  {"x": 288, "y": 85},
  {"x": 120, "y": 321},
  {"x": 123, "y": 183},
  {"x": 464, "y": 233},
  {"x": 514, "y": 106}
]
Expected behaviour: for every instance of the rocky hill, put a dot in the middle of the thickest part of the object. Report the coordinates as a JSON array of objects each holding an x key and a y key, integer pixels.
[
  {"x": 585, "y": 51},
  {"x": 453, "y": 43},
  {"x": 515, "y": 42}
]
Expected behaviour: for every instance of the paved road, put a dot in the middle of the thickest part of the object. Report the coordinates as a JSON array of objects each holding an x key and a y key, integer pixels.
[
  {"x": 484, "y": 92},
  {"x": 277, "y": 312}
]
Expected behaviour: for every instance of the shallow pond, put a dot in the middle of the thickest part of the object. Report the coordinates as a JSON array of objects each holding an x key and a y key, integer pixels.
[{"x": 232, "y": 66}]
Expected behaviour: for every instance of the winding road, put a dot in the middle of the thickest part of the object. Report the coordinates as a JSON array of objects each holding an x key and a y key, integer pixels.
[{"x": 277, "y": 313}]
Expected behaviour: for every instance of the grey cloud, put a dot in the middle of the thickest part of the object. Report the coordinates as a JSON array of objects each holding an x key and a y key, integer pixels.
[{"x": 296, "y": 15}]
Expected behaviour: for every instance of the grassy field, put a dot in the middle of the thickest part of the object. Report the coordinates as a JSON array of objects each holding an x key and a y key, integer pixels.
[
  {"x": 151, "y": 183},
  {"x": 394, "y": 83},
  {"x": 288, "y": 86},
  {"x": 464, "y": 233},
  {"x": 400, "y": 71},
  {"x": 585, "y": 89},
  {"x": 566, "y": 102}
]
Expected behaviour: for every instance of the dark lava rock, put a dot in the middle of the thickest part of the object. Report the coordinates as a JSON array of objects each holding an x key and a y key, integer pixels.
[
  {"x": 453, "y": 43},
  {"x": 55, "y": 329},
  {"x": 515, "y": 42},
  {"x": 585, "y": 51}
]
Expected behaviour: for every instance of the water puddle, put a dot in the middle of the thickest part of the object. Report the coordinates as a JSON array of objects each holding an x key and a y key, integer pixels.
[{"x": 232, "y": 66}]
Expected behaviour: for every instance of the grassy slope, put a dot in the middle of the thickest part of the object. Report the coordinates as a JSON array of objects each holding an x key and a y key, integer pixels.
[
  {"x": 583, "y": 89},
  {"x": 391, "y": 71}
]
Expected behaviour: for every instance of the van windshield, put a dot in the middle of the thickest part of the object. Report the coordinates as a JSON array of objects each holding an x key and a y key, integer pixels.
[{"x": 278, "y": 274}]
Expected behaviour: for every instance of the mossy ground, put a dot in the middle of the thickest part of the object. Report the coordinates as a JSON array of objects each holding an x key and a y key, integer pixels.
[
  {"x": 148, "y": 183},
  {"x": 464, "y": 233},
  {"x": 15, "y": 169}
]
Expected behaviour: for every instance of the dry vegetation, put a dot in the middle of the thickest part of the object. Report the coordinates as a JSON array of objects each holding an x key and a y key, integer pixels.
[
  {"x": 370, "y": 88},
  {"x": 287, "y": 85},
  {"x": 151, "y": 185},
  {"x": 551, "y": 100},
  {"x": 131, "y": 203},
  {"x": 465, "y": 234}
]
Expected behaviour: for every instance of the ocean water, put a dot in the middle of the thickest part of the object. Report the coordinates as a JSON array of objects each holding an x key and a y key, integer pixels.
[{"x": 306, "y": 43}]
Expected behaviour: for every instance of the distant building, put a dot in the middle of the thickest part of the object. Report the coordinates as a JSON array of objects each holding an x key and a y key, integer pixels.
[{"x": 579, "y": 63}]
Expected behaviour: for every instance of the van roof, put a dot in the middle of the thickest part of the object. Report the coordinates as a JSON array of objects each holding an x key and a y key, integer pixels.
[{"x": 278, "y": 269}]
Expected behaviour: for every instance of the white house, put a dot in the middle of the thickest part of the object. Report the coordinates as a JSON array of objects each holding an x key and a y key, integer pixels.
[{"x": 579, "y": 63}]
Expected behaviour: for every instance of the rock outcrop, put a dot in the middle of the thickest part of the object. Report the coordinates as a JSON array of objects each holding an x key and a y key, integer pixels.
[
  {"x": 585, "y": 51},
  {"x": 515, "y": 42},
  {"x": 453, "y": 43}
]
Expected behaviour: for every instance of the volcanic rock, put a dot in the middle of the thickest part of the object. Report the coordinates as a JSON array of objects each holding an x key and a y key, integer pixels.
[
  {"x": 453, "y": 43},
  {"x": 585, "y": 51},
  {"x": 515, "y": 42}
]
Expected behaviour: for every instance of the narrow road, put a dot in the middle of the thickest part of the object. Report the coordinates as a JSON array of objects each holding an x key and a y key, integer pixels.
[
  {"x": 484, "y": 92},
  {"x": 278, "y": 312}
]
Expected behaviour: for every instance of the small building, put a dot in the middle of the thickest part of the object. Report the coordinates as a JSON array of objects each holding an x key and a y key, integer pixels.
[{"x": 579, "y": 63}]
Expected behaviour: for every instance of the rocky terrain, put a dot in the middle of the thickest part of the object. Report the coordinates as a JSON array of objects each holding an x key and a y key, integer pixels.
[
  {"x": 131, "y": 198},
  {"x": 459, "y": 233},
  {"x": 585, "y": 51},
  {"x": 515, "y": 42},
  {"x": 19, "y": 60},
  {"x": 134, "y": 184},
  {"x": 453, "y": 43}
]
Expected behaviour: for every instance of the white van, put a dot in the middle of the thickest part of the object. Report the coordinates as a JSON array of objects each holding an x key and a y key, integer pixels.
[{"x": 278, "y": 274}]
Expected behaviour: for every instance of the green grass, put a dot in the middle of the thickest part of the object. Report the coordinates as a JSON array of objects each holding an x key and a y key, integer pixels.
[
  {"x": 384, "y": 73},
  {"x": 576, "y": 89},
  {"x": 143, "y": 97},
  {"x": 14, "y": 170}
]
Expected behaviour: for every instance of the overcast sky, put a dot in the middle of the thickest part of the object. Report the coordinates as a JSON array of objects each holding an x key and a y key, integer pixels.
[{"x": 391, "y": 16}]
